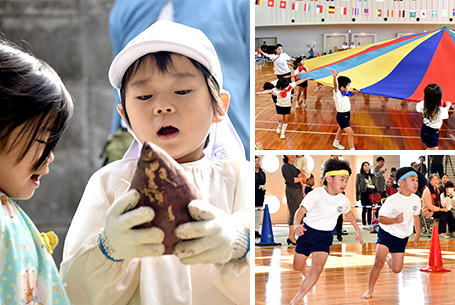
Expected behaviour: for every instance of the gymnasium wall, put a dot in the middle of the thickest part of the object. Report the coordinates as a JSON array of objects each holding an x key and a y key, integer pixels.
[
  {"x": 298, "y": 39},
  {"x": 354, "y": 11}
]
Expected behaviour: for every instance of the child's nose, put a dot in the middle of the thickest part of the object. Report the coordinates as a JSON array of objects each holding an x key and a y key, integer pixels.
[
  {"x": 50, "y": 158},
  {"x": 164, "y": 109}
]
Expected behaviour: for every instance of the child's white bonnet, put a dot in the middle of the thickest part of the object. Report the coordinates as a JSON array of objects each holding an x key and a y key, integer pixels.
[{"x": 167, "y": 36}]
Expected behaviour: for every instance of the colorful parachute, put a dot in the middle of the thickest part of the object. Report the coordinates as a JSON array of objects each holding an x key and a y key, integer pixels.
[{"x": 398, "y": 68}]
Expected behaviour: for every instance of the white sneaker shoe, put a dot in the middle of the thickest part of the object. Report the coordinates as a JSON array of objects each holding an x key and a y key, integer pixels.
[
  {"x": 303, "y": 103},
  {"x": 444, "y": 236},
  {"x": 338, "y": 145},
  {"x": 297, "y": 105},
  {"x": 278, "y": 129},
  {"x": 367, "y": 227},
  {"x": 283, "y": 135},
  {"x": 323, "y": 87},
  {"x": 316, "y": 90}
]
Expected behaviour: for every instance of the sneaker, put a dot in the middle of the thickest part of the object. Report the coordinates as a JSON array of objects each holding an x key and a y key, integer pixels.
[
  {"x": 338, "y": 145},
  {"x": 367, "y": 227},
  {"x": 452, "y": 235},
  {"x": 303, "y": 103},
  {"x": 278, "y": 129},
  {"x": 283, "y": 135},
  {"x": 444, "y": 236},
  {"x": 323, "y": 87},
  {"x": 297, "y": 105},
  {"x": 316, "y": 90}
]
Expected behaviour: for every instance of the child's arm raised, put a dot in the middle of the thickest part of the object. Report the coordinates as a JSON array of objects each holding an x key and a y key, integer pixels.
[
  {"x": 302, "y": 80},
  {"x": 264, "y": 92},
  {"x": 265, "y": 54},
  {"x": 299, "y": 229},
  {"x": 335, "y": 80},
  {"x": 353, "y": 221},
  {"x": 417, "y": 228}
]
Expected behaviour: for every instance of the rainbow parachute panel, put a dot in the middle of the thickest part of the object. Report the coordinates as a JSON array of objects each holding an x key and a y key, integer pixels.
[{"x": 399, "y": 68}]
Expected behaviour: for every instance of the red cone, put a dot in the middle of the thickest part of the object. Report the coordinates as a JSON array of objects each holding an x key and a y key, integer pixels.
[{"x": 435, "y": 261}]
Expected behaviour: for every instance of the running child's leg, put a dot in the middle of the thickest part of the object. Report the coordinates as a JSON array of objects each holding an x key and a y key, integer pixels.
[
  {"x": 284, "y": 126},
  {"x": 317, "y": 266},
  {"x": 299, "y": 263},
  {"x": 304, "y": 96},
  {"x": 298, "y": 96},
  {"x": 350, "y": 133},
  {"x": 395, "y": 261},
  {"x": 381, "y": 254}
]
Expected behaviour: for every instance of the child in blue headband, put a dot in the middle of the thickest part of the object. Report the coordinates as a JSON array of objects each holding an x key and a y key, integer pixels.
[{"x": 396, "y": 218}]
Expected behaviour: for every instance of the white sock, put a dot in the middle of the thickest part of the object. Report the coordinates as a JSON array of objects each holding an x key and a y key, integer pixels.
[
  {"x": 336, "y": 142},
  {"x": 283, "y": 127},
  {"x": 353, "y": 148}
]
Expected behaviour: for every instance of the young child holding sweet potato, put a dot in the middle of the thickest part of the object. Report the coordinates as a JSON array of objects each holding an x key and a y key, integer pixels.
[{"x": 170, "y": 84}]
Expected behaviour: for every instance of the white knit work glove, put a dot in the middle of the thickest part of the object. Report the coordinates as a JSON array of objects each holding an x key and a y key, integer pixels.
[
  {"x": 216, "y": 237},
  {"x": 120, "y": 241}
]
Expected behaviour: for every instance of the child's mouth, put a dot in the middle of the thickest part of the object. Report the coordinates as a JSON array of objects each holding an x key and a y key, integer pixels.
[
  {"x": 167, "y": 132},
  {"x": 35, "y": 179}
]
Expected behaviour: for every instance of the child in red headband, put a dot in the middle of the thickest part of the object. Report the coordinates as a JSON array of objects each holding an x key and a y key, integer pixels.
[
  {"x": 283, "y": 91},
  {"x": 322, "y": 207}
]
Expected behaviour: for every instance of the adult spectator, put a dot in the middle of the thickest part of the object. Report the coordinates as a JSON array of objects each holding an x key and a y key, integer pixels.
[
  {"x": 442, "y": 186},
  {"x": 436, "y": 164},
  {"x": 365, "y": 185},
  {"x": 309, "y": 184},
  {"x": 422, "y": 179},
  {"x": 431, "y": 206},
  {"x": 294, "y": 195},
  {"x": 422, "y": 165},
  {"x": 259, "y": 195}
]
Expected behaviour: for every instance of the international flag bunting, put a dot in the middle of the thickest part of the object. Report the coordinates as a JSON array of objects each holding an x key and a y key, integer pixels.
[
  {"x": 283, "y": 4},
  {"x": 434, "y": 13},
  {"x": 313, "y": 0},
  {"x": 319, "y": 8},
  {"x": 331, "y": 10},
  {"x": 270, "y": 3},
  {"x": 258, "y": 2},
  {"x": 363, "y": 0},
  {"x": 445, "y": 12},
  {"x": 355, "y": 11},
  {"x": 366, "y": 12},
  {"x": 453, "y": 12},
  {"x": 398, "y": 0},
  {"x": 379, "y": 13},
  {"x": 412, "y": 13},
  {"x": 306, "y": 7},
  {"x": 329, "y": 0},
  {"x": 423, "y": 13},
  {"x": 344, "y": 11},
  {"x": 390, "y": 13},
  {"x": 401, "y": 13},
  {"x": 294, "y": 6}
]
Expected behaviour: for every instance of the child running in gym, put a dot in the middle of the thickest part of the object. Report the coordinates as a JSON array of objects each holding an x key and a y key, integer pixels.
[
  {"x": 322, "y": 207},
  {"x": 35, "y": 109},
  {"x": 341, "y": 94},
  {"x": 170, "y": 83},
  {"x": 283, "y": 105},
  {"x": 397, "y": 216},
  {"x": 434, "y": 111},
  {"x": 301, "y": 89}
]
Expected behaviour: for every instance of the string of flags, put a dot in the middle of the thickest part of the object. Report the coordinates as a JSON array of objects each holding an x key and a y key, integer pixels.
[{"x": 319, "y": 8}]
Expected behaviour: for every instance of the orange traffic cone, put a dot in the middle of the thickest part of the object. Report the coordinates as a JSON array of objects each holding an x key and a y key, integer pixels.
[{"x": 435, "y": 261}]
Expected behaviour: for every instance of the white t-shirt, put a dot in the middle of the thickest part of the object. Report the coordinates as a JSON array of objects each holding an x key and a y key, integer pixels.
[
  {"x": 280, "y": 65},
  {"x": 323, "y": 209},
  {"x": 300, "y": 70},
  {"x": 342, "y": 103},
  {"x": 396, "y": 204},
  {"x": 443, "y": 114},
  {"x": 283, "y": 101},
  {"x": 448, "y": 202}
]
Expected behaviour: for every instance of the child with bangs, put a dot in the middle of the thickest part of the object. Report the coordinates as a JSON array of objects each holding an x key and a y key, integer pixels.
[
  {"x": 170, "y": 82},
  {"x": 322, "y": 207},
  {"x": 397, "y": 216},
  {"x": 35, "y": 109}
]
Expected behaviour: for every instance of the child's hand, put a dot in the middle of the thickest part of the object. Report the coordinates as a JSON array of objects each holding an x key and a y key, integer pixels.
[
  {"x": 120, "y": 241},
  {"x": 416, "y": 239},
  {"x": 358, "y": 237},
  {"x": 448, "y": 104},
  {"x": 257, "y": 93},
  {"x": 399, "y": 218},
  {"x": 299, "y": 229},
  {"x": 334, "y": 73},
  {"x": 215, "y": 237}
]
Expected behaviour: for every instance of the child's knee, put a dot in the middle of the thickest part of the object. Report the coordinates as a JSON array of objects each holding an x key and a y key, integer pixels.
[
  {"x": 379, "y": 263},
  {"x": 397, "y": 269},
  {"x": 317, "y": 269}
]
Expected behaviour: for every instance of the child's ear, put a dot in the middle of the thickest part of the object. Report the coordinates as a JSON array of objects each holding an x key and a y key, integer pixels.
[
  {"x": 120, "y": 111},
  {"x": 222, "y": 109}
]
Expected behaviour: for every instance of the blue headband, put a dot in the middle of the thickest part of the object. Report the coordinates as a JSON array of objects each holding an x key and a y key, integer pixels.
[{"x": 410, "y": 173}]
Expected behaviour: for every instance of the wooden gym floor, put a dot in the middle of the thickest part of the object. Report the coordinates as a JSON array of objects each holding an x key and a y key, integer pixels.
[
  {"x": 345, "y": 277},
  {"x": 379, "y": 123}
]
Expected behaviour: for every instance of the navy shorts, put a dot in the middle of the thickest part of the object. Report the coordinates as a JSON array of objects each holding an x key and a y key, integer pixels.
[
  {"x": 429, "y": 136},
  {"x": 283, "y": 110},
  {"x": 343, "y": 119},
  {"x": 395, "y": 244},
  {"x": 303, "y": 85},
  {"x": 314, "y": 241}
]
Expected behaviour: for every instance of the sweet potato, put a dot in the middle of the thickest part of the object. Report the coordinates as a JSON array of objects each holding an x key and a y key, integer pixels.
[{"x": 164, "y": 186}]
